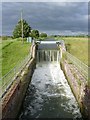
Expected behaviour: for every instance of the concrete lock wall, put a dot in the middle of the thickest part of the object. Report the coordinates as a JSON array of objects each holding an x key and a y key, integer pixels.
[
  {"x": 81, "y": 97},
  {"x": 12, "y": 101}
]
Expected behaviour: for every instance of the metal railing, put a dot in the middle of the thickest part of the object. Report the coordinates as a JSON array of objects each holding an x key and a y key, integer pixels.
[
  {"x": 83, "y": 68},
  {"x": 9, "y": 78}
]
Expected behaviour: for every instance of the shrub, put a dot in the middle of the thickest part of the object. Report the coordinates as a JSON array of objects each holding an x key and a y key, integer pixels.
[{"x": 4, "y": 37}]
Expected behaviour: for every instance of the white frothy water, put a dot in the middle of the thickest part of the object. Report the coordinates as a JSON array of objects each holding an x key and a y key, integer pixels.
[{"x": 49, "y": 95}]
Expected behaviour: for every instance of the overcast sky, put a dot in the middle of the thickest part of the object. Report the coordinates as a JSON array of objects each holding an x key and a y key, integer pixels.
[{"x": 50, "y": 17}]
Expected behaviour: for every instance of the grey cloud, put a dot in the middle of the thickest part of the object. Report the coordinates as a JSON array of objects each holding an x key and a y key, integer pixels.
[
  {"x": 49, "y": 17},
  {"x": 45, "y": 1}
]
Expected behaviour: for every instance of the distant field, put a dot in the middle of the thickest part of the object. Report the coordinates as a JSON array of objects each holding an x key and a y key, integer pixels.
[
  {"x": 77, "y": 47},
  {"x": 13, "y": 51}
]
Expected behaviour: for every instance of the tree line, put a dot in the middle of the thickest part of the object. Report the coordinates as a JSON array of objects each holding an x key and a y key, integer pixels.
[{"x": 27, "y": 31}]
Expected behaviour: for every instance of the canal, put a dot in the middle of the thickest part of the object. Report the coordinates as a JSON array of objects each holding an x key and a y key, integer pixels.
[{"x": 49, "y": 95}]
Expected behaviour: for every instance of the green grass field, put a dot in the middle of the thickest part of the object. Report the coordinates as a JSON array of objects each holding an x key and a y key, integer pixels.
[
  {"x": 7, "y": 42},
  {"x": 13, "y": 52},
  {"x": 77, "y": 47}
]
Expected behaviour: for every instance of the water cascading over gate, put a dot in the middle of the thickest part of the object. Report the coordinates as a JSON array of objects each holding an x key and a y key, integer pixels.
[
  {"x": 48, "y": 55},
  {"x": 48, "y": 51}
]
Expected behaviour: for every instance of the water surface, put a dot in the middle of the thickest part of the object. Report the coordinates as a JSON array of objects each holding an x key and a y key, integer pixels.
[{"x": 49, "y": 95}]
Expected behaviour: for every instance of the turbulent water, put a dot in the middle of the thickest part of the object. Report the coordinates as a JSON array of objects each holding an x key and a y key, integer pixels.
[{"x": 49, "y": 95}]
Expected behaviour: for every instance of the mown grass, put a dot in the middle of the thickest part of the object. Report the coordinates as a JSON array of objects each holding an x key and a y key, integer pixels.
[
  {"x": 77, "y": 47},
  {"x": 13, "y": 52},
  {"x": 6, "y": 42}
]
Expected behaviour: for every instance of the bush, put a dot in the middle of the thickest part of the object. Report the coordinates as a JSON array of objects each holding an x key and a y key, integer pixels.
[
  {"x": 4, "y": 37},
  {"x": 68, "y": 47},
  {"x": 24, "y": 39},
  {"x": 43, "y": 35},
  {"x": 20, "y": 39}
]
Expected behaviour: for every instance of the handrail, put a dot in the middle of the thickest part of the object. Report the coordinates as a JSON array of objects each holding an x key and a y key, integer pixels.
[
  {"x": 83, "y": 68},
  {"x": 77, "y": 59},
  {"x": 9, "y": 78}
]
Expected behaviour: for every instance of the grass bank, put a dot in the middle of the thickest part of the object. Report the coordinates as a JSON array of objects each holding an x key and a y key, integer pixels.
[
  {"x": 77, "y": 47},
  {"x": 13, "y": 52}
]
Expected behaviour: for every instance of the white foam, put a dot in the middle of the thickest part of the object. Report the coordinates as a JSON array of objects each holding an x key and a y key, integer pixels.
[{"x": 49, "y": 81}]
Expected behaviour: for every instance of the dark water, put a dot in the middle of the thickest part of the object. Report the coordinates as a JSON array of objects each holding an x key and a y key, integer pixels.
[
  {"x": 49, "y": 95},
  {"x": 48, "y": 47}
]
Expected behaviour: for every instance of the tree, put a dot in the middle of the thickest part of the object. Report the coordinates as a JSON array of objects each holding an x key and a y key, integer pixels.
[
  {"x": 34, "y": 33},
  {"x": 43, "y": 35},
  {"x": 18, "y": 29}
]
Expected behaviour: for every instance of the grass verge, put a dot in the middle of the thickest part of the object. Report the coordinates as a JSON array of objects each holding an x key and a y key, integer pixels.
[
  {"x": 12, "y": 53},
  {"x": 77, "y": 47}
]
